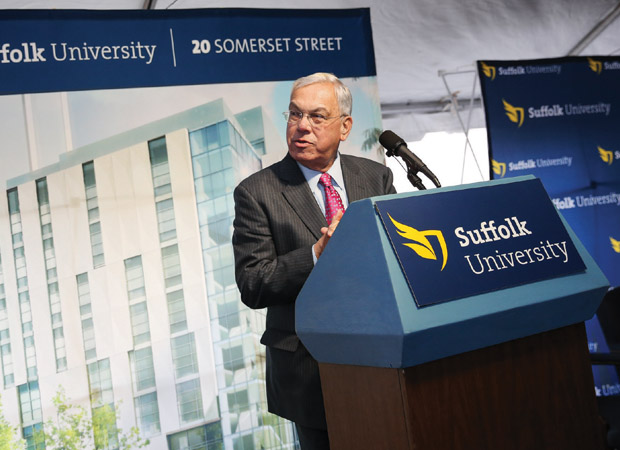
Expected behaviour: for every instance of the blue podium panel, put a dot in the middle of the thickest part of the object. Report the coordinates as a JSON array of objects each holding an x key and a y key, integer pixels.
[
  {"x": 510, "y": 235},
  {"x": 421, "y": 276}
]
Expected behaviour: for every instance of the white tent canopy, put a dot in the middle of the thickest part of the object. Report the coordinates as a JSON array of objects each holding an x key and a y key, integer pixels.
[{"x": 425, "y": 49}]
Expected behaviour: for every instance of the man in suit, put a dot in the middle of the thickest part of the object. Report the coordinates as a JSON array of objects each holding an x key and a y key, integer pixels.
[{"x": 281, "y": 229}]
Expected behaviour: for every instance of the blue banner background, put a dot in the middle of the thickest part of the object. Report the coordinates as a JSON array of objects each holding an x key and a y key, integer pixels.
[
  {"x": 585, "y": 183},
  {"x": 575, "y": 153},
  {"x": 192, "y": 47}
]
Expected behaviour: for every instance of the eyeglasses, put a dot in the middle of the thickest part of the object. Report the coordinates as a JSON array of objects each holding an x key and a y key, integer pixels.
[{"x": 314, "y": 119}]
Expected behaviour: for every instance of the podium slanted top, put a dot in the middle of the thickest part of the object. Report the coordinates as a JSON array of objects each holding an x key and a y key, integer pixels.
[{"x": 420, "y": 276}]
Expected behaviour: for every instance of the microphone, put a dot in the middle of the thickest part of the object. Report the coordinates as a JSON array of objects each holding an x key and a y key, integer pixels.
[{"x": 395, "y": 146}]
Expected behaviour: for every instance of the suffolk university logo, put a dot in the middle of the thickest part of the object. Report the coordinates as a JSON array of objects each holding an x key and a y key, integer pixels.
[
  {"x": 595, "y": 66},
  {"x": 608, "y": 156},
  {"x": 499, "y": 168},
  {"x": 514, "y": 113},
  {"x": 419, "y": 242},
  {"x": 489, "y": 71}
]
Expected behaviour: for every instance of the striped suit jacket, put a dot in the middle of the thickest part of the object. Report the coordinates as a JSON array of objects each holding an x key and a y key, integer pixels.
[{"x": 277, "y": 221}]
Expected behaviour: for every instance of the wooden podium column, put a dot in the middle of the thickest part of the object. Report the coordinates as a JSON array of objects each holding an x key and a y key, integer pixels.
[{"x": 531, "y": 393}]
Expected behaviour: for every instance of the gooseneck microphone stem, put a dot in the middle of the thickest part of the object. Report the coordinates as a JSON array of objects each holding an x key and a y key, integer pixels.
[
  {"x": 414, "y": 179},
  {"x": 395, "y": 146}
]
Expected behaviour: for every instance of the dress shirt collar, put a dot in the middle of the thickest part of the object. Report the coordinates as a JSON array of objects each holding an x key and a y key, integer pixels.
[{"x": 313, "y": 176}]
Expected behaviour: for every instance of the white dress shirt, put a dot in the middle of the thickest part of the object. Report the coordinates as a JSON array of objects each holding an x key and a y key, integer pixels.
[{"x": 313, "y": 177}]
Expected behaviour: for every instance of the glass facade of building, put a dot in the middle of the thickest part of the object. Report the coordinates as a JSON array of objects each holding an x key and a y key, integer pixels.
[
  {"x": 102, "y": 398},
  {"x": 86, "y": 316},
  {"x": 25, "y": 308},
  {"x": 206, "y": 437},
  {"x": 220, "y": 157},
  {"x": 92, "y": 205},
  {"x": 145, "y": 391},
  {"x": 6, "y": 359},
  {"x": 141, "y": 358},
  {"x": 29, "y": 395},
  {"x": 32, "y": 416},
  {"x": 51, "y": 275}
]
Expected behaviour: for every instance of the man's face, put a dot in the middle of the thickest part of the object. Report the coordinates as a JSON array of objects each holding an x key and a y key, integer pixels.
[{"x": 316, "y": 146}]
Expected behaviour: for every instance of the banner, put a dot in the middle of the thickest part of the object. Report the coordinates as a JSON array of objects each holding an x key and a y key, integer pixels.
[
  {"x": 558, "y": 119},
  {"x": 124, "y": 135},
  {"x": 43, "y": 51}
]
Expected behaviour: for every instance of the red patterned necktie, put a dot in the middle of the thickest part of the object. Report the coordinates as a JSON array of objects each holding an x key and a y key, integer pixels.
[{"x": 333, "y": 202}]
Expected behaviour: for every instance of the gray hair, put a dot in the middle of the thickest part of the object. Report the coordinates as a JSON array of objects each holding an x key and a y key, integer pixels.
[{"x": 343, "y": 94}]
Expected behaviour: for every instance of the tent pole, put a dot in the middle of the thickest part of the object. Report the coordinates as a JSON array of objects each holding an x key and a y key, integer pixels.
[
  {"x": 594, "y": 32},
  {"x": 443, "y": 74}
]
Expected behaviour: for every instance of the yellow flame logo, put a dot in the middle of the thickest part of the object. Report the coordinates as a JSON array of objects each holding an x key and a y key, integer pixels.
[
  {"x": 615, "y": 244},
  {"x": 489, "y": 71},
  {"x": 499, "y": 168},
  {"x": 595, "y": 66},
  {"x": 420, "y": 244},
  {"x": 606, "y": 155},
  {"x": 514, "y": 113}
]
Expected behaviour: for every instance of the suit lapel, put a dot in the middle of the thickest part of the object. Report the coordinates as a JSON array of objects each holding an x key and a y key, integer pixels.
[
  {"x": 353, "y": 181},
  {"x": 297, "y": 193}
]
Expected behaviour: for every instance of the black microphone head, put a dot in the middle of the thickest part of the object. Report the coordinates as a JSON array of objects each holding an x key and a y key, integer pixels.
[{"x": 390, "y": 141}]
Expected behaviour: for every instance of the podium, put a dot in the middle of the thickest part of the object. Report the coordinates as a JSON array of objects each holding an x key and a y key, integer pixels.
[{"x": 453, "y": 319}]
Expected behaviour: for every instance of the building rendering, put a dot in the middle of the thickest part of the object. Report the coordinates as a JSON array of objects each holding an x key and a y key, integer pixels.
[{"x": 117, "y": 287}]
